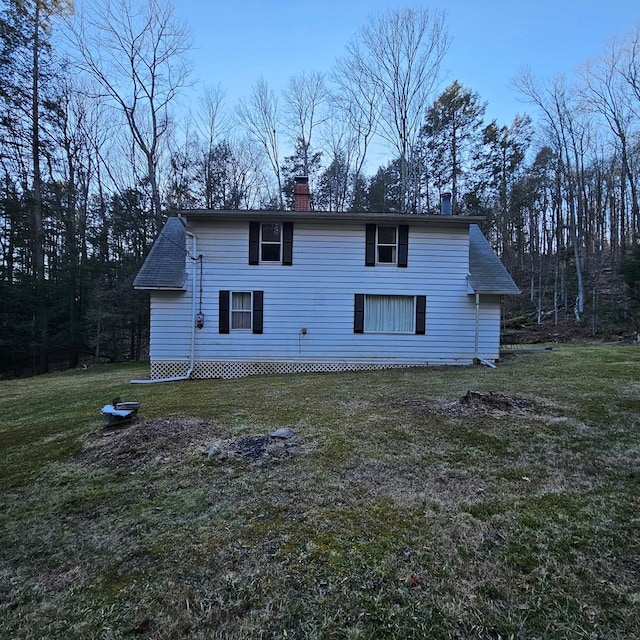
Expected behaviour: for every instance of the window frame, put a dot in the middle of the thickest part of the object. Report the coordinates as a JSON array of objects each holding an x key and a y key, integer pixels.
[
  {"x": 384, "y": 245},
  {"x": 270, "y": 243},
  {"x": 232, "y": 296},
  {"x": 418, "y": 316},
  {"x": 373, "y": 245},
  {"x": 225, "y": 312},
  {"x": 256, "y": 243},
  {"x": 370, "y": 298}
]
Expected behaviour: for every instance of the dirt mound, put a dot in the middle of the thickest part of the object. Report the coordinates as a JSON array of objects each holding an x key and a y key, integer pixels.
[
  {"x": 472, "y": 402},
  {"x": 491, "y": 401},
  {"x": 145, "y": 443}
]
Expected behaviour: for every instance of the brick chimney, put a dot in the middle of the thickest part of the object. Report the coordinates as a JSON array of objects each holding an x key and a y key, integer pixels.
[{"x": 301, "y": 193}]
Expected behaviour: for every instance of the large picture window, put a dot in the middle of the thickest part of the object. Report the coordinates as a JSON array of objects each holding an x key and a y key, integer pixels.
[
  {"x": 389, "y": 314},
  {"x": 374, "y": 313}
]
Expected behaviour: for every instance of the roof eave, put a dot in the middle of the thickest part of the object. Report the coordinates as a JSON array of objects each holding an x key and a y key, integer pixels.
[
  {"x": 268, "y": 214},
  {"x": 151, "y": 288}
]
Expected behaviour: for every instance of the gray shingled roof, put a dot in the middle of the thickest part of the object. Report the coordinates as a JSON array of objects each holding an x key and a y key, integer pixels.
[
  {"x": 164, "y": 267},
  {"x": 486, "y": 273}
]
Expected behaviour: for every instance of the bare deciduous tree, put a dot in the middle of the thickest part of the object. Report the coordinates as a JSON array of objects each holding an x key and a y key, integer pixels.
[
  {"x": 606, "y": 87},
  {"x": 305, "y": 97},
  {"x": 137, "y": 55},
  {"x": 396, "y": 60},
  {"x": 260, "y": 115},
  {"x": 568, "y": 135}
]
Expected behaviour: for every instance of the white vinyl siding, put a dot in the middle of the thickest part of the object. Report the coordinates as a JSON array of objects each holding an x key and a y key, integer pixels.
[{"x": 316, "y": 294}]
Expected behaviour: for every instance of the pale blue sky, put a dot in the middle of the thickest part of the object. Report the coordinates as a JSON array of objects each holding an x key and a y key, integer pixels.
[{"x": 235, "y": 42}]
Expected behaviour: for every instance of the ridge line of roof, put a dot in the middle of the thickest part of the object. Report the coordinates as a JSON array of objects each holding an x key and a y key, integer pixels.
[{"x": 324, "y": 215}]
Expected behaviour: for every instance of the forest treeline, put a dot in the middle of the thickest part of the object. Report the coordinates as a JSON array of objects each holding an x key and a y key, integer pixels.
[{"x": 97, "y": 147}]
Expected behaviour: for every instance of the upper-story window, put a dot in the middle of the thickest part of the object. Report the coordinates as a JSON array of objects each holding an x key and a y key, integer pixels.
[
  {"x": 387, "y": 244},
  {"x": 271, "y": 243}
]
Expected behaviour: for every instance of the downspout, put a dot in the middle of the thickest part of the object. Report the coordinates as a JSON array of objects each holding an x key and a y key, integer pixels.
[
  {"x": 192, "y": 349},
  {"x": 476, "y": 350},
  {"x": 478, "y": 359}
]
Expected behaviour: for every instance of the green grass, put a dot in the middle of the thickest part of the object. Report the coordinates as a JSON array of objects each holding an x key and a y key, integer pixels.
[{"x": 403, "y": 514}]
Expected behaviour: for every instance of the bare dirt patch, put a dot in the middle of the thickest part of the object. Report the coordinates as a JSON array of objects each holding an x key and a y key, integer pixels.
[
  {"x": 471, "y": 403},
  {"x": 146, "y": 443}
]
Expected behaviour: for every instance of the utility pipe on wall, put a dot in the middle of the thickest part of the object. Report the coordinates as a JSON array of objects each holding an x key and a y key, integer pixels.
[
  {"x": 477, "y": 337},
  {"x": 477, "y": 343}
]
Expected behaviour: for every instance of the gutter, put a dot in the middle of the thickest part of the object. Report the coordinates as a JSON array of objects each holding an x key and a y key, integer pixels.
[{"x": 192, "y": 348}]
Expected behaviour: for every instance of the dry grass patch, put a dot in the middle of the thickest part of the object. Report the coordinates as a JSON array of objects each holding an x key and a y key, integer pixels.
[{"x": 419, "y": 510}]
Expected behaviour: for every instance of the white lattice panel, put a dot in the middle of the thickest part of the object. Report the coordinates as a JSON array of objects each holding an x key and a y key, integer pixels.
[{"x": 242, "y": 369}]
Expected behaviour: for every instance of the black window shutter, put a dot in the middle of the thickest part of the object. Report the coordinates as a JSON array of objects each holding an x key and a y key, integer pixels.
[
  {"x": 421, "y": 314},
  {"x": 254, "y": 242},
  {"x": 403, "y": 245},
  {"x": 223, "y": 312},
  {"x": 258, "y": 304},
  {"x": 358, "y": 313},
  {"x": 287, "y": 243},
  {"x": 370, "y": 252}
]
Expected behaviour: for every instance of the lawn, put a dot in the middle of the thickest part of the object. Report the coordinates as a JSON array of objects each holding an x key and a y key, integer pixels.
[{"x": 403, "y": 507}]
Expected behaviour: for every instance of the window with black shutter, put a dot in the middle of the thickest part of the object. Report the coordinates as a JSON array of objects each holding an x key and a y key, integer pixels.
[
  {"x": 386, "y": 244},
  {"x": 271, "y": 243},
  {"x": 241, "y": 311},
  {"x": 382, "y": 313}
]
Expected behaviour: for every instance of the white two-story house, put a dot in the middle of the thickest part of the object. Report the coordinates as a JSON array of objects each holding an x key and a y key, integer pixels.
[{"x": 236, "y": 293}]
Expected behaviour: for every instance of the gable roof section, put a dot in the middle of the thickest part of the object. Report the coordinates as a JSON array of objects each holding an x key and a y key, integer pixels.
[
  {"x": 486, "y": 273},
  {"x": 164, "y": 267}
]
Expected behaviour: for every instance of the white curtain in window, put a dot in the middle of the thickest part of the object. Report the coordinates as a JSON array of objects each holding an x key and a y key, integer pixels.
[
  {"x": 241, "y": 310},
  {"x": 394, "y": 314}
]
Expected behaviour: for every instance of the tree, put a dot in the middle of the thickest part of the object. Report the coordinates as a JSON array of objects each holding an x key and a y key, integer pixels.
[
  {"x": 24, "y": 61},
  {"x": 503, "y": 158},
  {"x": 396, "y": 59},
  {"x": 452, "y": 132},
  {"x": 631, "y": 273},
  {"x": 260, "y": 114},
  {"x": 605, "y": 87},
  {"x": 567, "y": 136},
  {"x": 385, "y": 189},
  {"x": 305, "y": 97},
  {"x": 137, "y": 56}
]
